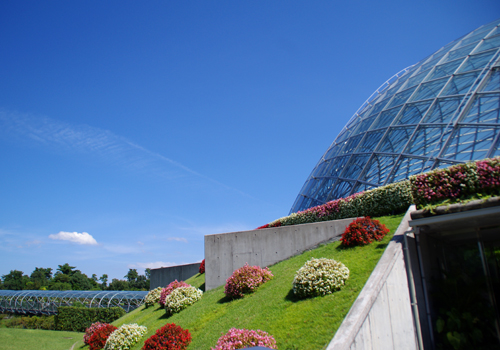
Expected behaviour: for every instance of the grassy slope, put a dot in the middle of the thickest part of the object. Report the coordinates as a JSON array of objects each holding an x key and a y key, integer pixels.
[
  {"x": 34, "y": 339},
  {"x": 295, "y": 324}
]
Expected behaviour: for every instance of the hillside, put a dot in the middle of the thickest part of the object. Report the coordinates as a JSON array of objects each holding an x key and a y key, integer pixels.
[{"x": 295, "y": 324}]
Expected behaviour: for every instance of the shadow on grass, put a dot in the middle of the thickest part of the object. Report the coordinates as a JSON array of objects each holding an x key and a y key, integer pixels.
[
  {"x": 225, "y": 299},
  {"x": 202, "y": 287},
  {"x": 292, "y": 297},
  {"x": 381, "y": 245}
]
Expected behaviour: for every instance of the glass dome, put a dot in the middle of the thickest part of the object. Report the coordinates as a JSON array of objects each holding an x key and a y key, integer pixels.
[{"x": 441, "y": 111}]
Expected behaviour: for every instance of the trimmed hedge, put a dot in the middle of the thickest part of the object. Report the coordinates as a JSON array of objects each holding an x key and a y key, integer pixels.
[
  {"x": 77, "y": 319},
  {"x": 457, "y": 181}
]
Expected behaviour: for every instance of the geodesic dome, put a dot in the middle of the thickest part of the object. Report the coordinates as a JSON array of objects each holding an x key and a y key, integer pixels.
[{"x": 441, "y": 111}]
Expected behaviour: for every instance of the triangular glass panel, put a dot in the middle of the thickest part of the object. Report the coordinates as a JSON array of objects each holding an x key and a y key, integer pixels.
[
  {"x": 396, "y": 139},
  {"x": 415, "y": 80},
  {"x": 378, "y": 168},
  {"x": 442, "y": 110},
  {"x": 472, "y": 39},
  {"x": 355, "y": 166},
  {"x": 496, "y": 150},
  {"x": 470, "y": 143},
  {"x": 477, "y": 61},
  {"x": 379, "y": 106},
  {"x": 370, "y": 141},
  {"x": 351, "y": 144},
  {"x": 461, "y": 52},
  {"x": 325, "y": 189},
  {"x": 361, "y": 187},
  {"x": 364, "y": 125},
  {"x": 493, "y": 83},
  {"x": 344, "y": 134},
  {"x": 405, "y": 168},
  {"x": 484, "y": 109},
  {"x": 495, "y": 31},
  {"x": 429, "y": 90},
  {"x": 427, "y": 141},
  {"x": 320, "y": 169},
  {"x": 490, "y": 43},
  {"x": 445, "y": 69},
  {"x": 460, "y": 84},
  {"x": 341, "y": 190},
  {"x": 413, "y": 113},
  {"x": 337, "y": 166},
  {"x": 333, "y": 151},
  {"x": 386, "y": 118},
  {"x": 401, "y": 97}
]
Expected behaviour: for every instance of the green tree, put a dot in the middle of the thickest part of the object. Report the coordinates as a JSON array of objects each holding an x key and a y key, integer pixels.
[
  {"x": 40, "y": 277},
  {"x": 104, "y": 280},
  {"x": 15, "y": 280},
  {"x": 132, "y": 275},
  {"x": 65, "y": 269},
  {"x": 117, "y": 284},
  {"x": 147, "y": 272},
  {"x": 80, "y": 281}
]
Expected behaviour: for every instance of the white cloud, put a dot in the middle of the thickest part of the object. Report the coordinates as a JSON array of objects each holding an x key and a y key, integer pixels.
[
  {"x": 75, "y": 237},
  {"x": 151, "y": 265},
  {"x": 178, "y": 239}
]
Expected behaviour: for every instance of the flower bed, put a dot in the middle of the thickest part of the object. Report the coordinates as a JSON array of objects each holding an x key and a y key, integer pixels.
[
  {"x": 202, "y": 267},
  {"x": 363, "y": 231},
  {"x": 98, "y": 340},
  {"x": 245, "y": 338},
  {"x": 168, "y": 337},
  {"x": 319, "y": 277},
  {"x": 168, "y": 289},
  {"x": 246, "y": 280},
  {"x": 91, "y": 330},
  {"x": 181, "y": 298},
  {"x": 153, "y": 297},
  {"x": 125, "y": 337}
]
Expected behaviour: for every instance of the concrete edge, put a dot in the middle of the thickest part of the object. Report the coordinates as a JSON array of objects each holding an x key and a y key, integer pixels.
[{"x": 345, "y": 335}]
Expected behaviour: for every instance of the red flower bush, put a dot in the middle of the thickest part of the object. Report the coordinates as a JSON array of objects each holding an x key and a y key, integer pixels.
[
  {"x": 90, "y": 331},
  {"x": 168, "y": 337},
  {"x": 363, "y": 231},
  {"x": 98, "y": 339},
  {"x": 168, "y": 289},
  {"x": 246, "y": 280},
  {"x": 202, "y": 266}
]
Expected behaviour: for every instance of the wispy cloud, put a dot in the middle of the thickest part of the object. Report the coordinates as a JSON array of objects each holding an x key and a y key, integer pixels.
[
  {"x": 79, "y": 238},
  {"x": 114, "y": 149},
  {"x": 178, "y": 239}
]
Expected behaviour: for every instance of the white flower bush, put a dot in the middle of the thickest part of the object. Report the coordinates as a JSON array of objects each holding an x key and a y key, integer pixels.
[
  {"x": 180, "y": 298},
  {"x": 125, "y": 337},
  {"x": 153, "y": 297},
  {"x": 319, "y": 277}
]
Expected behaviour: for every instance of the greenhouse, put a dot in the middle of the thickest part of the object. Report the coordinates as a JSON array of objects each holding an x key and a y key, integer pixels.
[
  {"x": 441, "y": 111},
  {"x": 47, "y": 302}
]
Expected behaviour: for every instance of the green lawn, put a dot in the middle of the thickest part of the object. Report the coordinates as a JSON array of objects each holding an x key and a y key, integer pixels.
[
  {"x": 295, "y": 324},
  {"x": 34, "y": 339}
]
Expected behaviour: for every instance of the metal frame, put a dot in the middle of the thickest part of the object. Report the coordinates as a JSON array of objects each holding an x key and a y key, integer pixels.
[
  {"x": 46, "y": 302},
  {"x": 409, "y": 83}
]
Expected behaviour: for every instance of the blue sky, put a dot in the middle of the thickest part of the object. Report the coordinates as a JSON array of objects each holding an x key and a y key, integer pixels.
[{"x": 129, "y": 130}]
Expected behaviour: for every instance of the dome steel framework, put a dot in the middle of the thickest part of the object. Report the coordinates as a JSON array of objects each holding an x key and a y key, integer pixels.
[
  {"x": 47, "y": 302},
  {"x": 441, "y": 111}
]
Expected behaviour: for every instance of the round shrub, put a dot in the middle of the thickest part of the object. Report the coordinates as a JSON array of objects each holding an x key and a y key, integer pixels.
[
  {"x": 153, "y": 297},
  {"x": 98, "y": 340},
  {"x": 89, "y": 331},
  {"x": 363, "y": 231},
  {"x": 245, "y": 280},
  {"x": 319, "y": 277},
  {"x": 168, "y": 289},
  {"x": 125, "y": 337},
  {"x": 168, "y": 337},
  {"x": 180, "y": 298},
  {"x": 244, "y": 338},
  {"x": 202, "y": 266}
]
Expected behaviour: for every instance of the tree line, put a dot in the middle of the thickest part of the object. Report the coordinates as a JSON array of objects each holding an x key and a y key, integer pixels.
[{"x": 68, "y": 277}]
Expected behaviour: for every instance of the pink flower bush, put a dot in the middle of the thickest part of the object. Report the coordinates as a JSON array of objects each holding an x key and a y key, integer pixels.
[
  {"x": 168, "y": 289},
  {"x": 89, "y": 331},
  {"x": 244, "y": 338},
  {"x": 245, "y": 280}
]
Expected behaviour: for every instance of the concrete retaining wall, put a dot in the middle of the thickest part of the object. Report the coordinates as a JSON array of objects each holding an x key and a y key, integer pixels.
[
  {"x": 381, "y": 317},
  {"x": 227, "y": 252},
  {"x": 163, "y": 276}
]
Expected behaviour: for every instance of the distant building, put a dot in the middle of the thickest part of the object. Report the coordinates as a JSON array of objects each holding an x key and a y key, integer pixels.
[{"x": 441, "y": 111}]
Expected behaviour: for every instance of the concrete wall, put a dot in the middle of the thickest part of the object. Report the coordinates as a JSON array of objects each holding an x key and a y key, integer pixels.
[
  {"x": 227, "y": 252},
  {"x": 163, "y": 276},
  {"x": 381, "y": 317}
]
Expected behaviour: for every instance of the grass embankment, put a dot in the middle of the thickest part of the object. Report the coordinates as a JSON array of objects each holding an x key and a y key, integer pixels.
[
  {"x": 34, "y": 339},
  {"x": 295, "y": 324}
]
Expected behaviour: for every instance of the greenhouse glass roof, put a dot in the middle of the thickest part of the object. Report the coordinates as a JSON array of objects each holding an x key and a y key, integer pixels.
[
  {"x": 441, "y": 111},
  {"x": 47, "y": 302}
]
